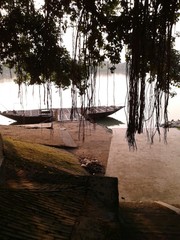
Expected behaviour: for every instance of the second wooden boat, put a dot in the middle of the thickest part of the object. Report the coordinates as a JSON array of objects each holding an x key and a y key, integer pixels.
[{"x": 99, "y": 112}]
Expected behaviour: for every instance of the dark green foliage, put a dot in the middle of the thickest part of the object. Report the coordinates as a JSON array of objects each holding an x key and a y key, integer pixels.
[
  {"x": 175, "y": 68},
  {"x": 31, "y": 42}
]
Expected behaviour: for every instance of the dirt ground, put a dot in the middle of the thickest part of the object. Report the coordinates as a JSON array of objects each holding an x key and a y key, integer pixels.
[
  {"x": 139, "y": 219},
  {"x": 95, "y": 145}
]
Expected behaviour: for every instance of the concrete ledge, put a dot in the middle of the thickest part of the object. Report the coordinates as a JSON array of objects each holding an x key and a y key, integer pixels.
[
  {"x": 174, "y": 209},
  {"x": 81, "y": 208},
  {"x": 1, "y": 151},
  {"x": 99, "y": 217},
  {"x": 2, "y": 168}
]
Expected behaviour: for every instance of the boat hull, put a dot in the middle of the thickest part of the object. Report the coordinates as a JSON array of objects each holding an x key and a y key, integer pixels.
[
  {"x": 97, "y": 113},
  {"x": 64, "y": 114},
  {"x": 24, "y": 119}
]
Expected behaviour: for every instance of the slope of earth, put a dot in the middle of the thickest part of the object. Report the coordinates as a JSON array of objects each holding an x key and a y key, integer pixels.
[{"x": 45, "y": 194}]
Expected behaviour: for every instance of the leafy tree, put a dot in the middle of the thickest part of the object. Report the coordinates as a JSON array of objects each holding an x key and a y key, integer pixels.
[
  {"x": 30, "y": 44},
  {"x": 175, "y": 68},
  {"x": 31, "y": 41}
]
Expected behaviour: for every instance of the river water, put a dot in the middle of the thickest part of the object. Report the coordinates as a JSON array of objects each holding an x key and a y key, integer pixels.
[{"x": 111, "y": 90}]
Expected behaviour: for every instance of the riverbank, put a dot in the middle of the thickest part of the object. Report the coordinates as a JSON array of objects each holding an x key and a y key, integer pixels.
[
  {"x": 95, "y": 146},
  {"x": 139, "y": 220},
  {"x": 46, "y": 194},
  {"x": 172, "y": 124}
]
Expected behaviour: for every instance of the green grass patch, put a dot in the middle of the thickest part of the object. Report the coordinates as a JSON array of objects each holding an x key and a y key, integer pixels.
[{"x": 24, "y": 155}]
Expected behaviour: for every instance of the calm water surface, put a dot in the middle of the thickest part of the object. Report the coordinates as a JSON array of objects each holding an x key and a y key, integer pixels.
[{"x": 111, "y": 90}]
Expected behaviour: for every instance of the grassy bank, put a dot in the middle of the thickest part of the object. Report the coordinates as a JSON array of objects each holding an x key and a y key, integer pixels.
[
  {"x": 46, "y": 195},
  {"x": 37, "y": 162}
]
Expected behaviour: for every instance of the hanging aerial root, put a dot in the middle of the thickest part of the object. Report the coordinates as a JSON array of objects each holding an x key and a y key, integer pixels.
[{"x": 149, "y": 52}]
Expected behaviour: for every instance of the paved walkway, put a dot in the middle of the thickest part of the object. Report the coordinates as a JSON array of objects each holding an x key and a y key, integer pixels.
[{"x": 152, "y": 173}]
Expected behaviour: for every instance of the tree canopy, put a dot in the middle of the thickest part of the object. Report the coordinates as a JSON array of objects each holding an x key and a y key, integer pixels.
[{"x": 31, "y": 42}]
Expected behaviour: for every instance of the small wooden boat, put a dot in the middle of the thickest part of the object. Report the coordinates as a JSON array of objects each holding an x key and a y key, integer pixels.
[
  {"x": 44, "y": 116},
  {"x": 29, "y": 117},
  {"x": 95, "y": 113}
]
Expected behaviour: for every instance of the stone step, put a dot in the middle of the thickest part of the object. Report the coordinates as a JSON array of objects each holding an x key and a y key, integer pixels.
[{"x": 148, "y": 220}]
